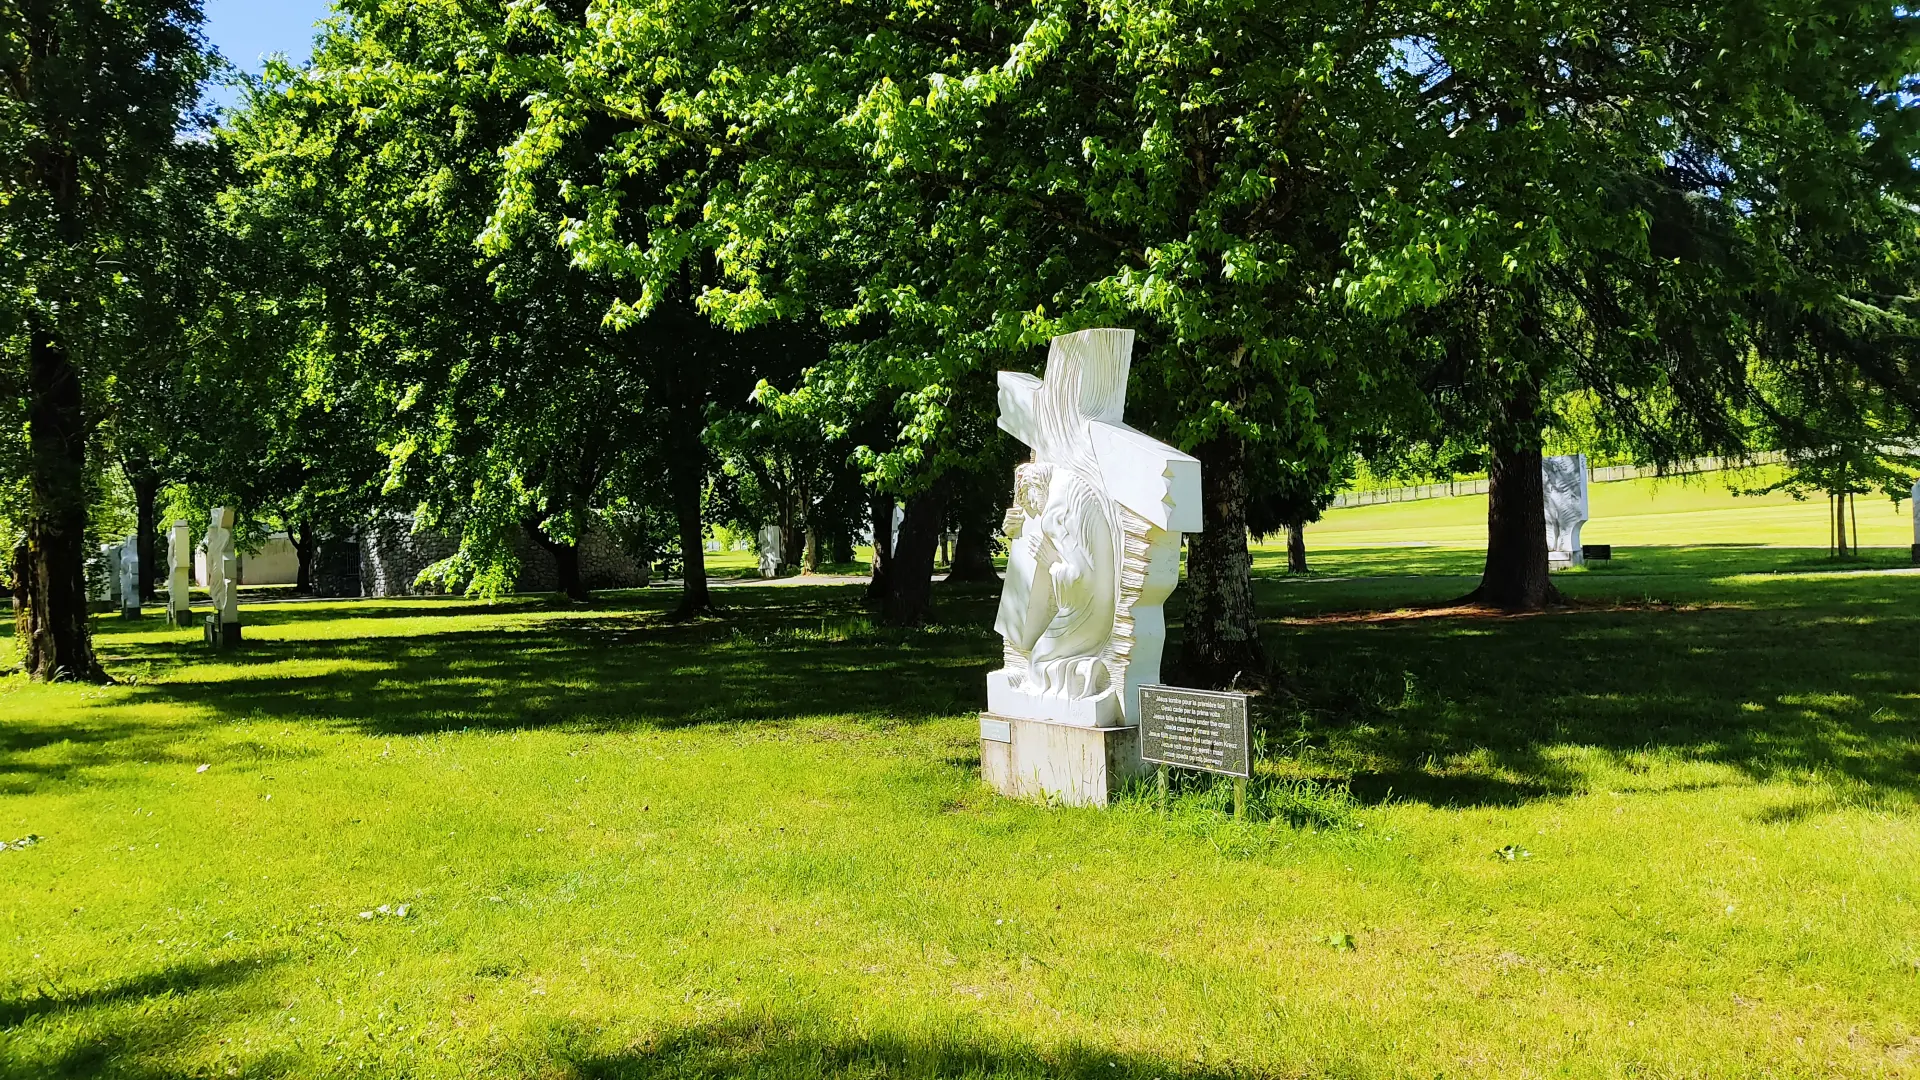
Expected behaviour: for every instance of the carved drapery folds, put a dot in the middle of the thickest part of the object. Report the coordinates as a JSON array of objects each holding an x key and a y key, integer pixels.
[{"x": 1094, "y": 537}]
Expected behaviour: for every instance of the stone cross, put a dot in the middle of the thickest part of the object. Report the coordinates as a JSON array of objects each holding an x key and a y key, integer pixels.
[
  {"x": 180, "y": 573},
  {"x": 223, "y": 568},
  {"x": 129, "y": 570},
  {"x": 1565, "y": 481},
  {"x": 1094, "y": 541}
]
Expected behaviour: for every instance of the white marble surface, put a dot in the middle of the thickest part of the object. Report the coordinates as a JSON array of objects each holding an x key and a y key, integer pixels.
[
  {"x": 180, "y": 571},
  {"x": 772, "y": 547},
  {"x": 129, "y": 570},
  {"x": 223, "y": 566},
  {"x": 1094, "y": 540},
  {"x": 1565, "y": 480}
]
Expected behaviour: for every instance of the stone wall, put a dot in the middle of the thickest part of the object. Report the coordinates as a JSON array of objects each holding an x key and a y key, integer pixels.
[{"x": 392, "y": 556}]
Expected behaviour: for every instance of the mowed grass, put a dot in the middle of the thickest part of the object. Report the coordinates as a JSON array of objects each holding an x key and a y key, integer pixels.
[
  {"x": 1671, "y": 831},
  {"x": 1686, "y": 510}
]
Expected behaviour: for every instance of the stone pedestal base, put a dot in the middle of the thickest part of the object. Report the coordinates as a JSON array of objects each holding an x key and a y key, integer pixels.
[
  {"x": 129, "y": 612},
  {"x": 182, "y": 619},
  {"x": 1916, "y": 554},
  {"x": 1564, "y": 560},
  {"x": 222, "y": 635},
  {"x": 1077, "y": 766}
]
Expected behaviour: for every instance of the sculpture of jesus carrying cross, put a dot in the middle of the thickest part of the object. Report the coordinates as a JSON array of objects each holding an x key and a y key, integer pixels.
[{"x": 1094, "y": 540}]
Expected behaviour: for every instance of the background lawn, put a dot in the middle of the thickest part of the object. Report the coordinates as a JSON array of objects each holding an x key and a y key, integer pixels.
[
  {"x": 1669, "y": 832},
  {"x": 1683, "y": 510}
]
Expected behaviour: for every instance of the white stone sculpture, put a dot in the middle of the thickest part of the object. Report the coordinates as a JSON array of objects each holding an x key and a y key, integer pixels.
[
  {"x": 179, "y": 574},
  {"x": 1916, "y": 522},
  {"x": 223, "y": 575},
  {"x": 1094, "y": 541},
  {"x": 107, "y": 589},
  {"x": 1565, "y": 480},
  {"x": 129, "y": 570},
  {"x": 772, "y": 545}
]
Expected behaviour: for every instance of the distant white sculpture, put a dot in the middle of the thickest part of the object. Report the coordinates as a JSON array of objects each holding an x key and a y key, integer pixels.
[
  {"x": 1565, "y": 480},
  {"x": 129, "y": 570},
  {"x": 179, "y": 574},
  {"x": 108, "y": 568},
  {"x": 1094, "y": 535},
  {"x": 772, "y": 545},
  {"x": 1916, "y": 522},
  {"x": 223, "y": 577}
]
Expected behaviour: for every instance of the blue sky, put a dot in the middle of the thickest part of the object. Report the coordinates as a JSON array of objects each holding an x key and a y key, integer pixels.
[{"x": 248, "y": 31}]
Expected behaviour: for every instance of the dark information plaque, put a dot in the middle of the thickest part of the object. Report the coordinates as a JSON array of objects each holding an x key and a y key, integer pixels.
[{"x": 1195, "y": 729}]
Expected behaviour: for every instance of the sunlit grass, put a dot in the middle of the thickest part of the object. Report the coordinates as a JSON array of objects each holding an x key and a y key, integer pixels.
[{"x": 1668, "y": 832}]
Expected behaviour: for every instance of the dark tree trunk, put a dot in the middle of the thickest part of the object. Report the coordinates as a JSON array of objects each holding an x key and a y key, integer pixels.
[
  {"x": 910, "y": 574},
  {"x": 145, "y": 481},
  {"x": 1221, "y": 638},
  {"x": 688, "y": 477},
  {"x": 973, "y": 553},
  {"x": 839, "y": 546},
  {"x": 305, "y": 543},
  {"x": 1515, "y": 577},
  {"x": 50, "y": 568},
  {"x": 566, "y": 563},
  {"x": 1296, "y": 549},
  {"x": 881, "y": 510}
]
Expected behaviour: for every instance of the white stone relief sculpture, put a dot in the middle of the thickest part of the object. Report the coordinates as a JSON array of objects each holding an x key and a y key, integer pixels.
[
  {"x": 1094, "y": 540},
  {"x": 129, "y": 570},
  {"x": 223, "y": 567},
  {"x": 106, "y": 575},
  {"x": 179, "y": 573},
  {"x": 1565, "y": 480},
  {"x": 772, "y": 546}
]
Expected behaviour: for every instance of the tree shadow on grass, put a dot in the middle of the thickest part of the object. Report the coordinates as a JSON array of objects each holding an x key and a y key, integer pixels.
[
  {"x": 775, "y": 1047},
  {"x": 1784, "y": 680},
  {"x": 125, "y": 1028},
  {"x": 774, "y": 658}
]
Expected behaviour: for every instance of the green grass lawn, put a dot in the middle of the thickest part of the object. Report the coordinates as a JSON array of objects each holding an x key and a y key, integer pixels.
[
  {"x": 1672, "y": 831},
  {"x": 1632, "y": 513}
]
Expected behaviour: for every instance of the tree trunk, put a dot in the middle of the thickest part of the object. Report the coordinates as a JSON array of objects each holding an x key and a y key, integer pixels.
[
  {"x": 1221, "y": 640},
  {"x": 145, "y": 481},
  {"x": 566, "y": 562},
  {"x": 839, "y": 546},
  {"x": 810, "y": 557},
  {"x": 1296, "y": 548},
  {"x": 50, "y": 628},
  {"x": 881, "y": 510},
  {"x": 688, "y": 475},
  {"x": 973, "y": 553},
  {"x": 910, "y": 574},
  {"x": 1515, "y": 576},
  {"x": 305, "y": 543}
]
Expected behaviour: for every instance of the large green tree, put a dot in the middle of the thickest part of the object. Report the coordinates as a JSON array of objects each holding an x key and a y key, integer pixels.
[{"x": 93, "y": 94}]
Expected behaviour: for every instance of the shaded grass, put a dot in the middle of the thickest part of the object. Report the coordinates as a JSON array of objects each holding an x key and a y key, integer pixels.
[{"x": 756, "y": 846}]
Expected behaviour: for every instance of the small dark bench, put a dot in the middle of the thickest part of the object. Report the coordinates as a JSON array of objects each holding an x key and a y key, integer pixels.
[{"x": 1597, "y": 552}]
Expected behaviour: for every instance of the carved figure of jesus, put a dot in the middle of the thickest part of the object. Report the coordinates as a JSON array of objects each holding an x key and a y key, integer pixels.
[{"x": 1094, "y": 537}]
